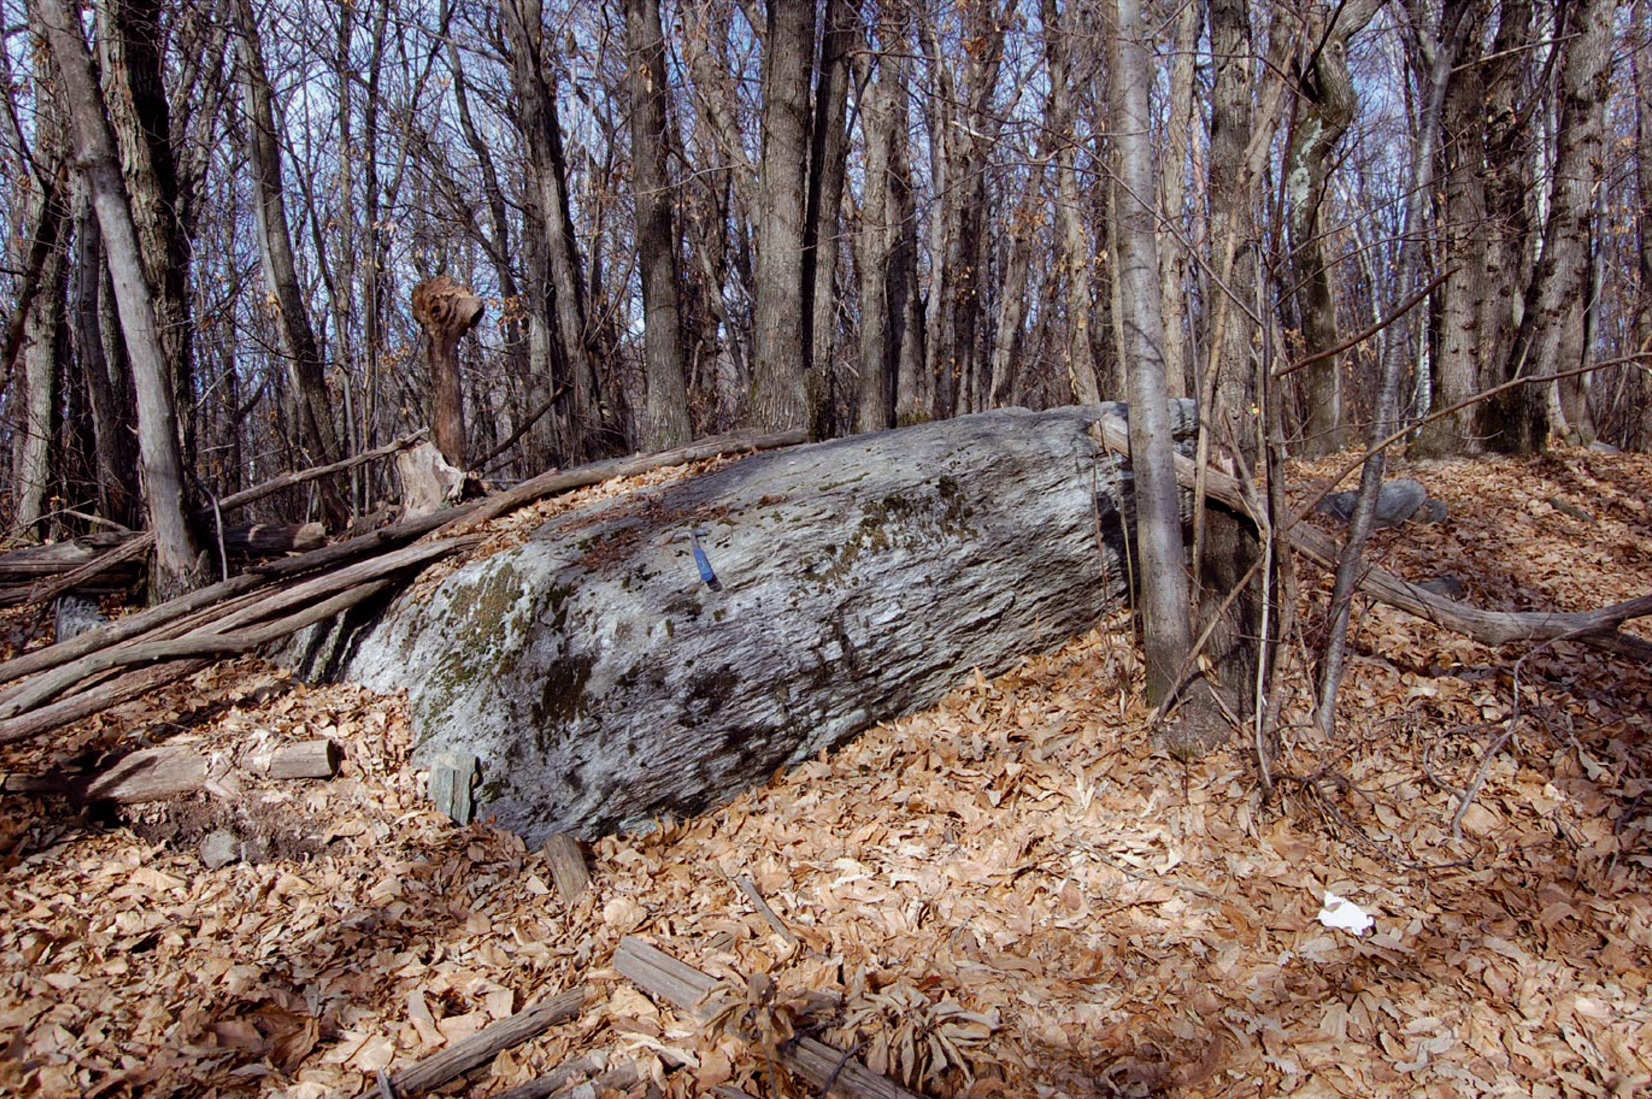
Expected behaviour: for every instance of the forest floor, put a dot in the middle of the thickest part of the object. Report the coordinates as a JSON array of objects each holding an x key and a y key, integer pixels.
[{"x": 1013, "y": 893}]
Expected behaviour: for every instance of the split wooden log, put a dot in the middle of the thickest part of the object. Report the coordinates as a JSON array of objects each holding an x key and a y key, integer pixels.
[
  {"x": 1599, "y": 628},
  {"x": 824, "y": 1067},
  {"x": 156, "y": 774},
  {"x": 568, "y": 868},
  {"x": 484, "y": 1045}
]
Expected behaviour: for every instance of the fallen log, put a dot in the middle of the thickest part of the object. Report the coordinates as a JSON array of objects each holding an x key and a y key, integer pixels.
[
  {"x": 1599, "y": 628},
  {"x": 827, "y": 1069},
  {"x": 156, "y": 774},
  {"x": 269, "y": 539},
  {"x": 483, "y": 1046},
  {"x": 660, "y": 652},
  {"x": 183, "y": 655},
  {"x": 201, "y": 607}
]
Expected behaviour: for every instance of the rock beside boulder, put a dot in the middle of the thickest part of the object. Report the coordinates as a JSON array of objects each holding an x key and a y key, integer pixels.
[
  {"x": 1398, "y": 500},
  {"x": 659, "y": 653}
]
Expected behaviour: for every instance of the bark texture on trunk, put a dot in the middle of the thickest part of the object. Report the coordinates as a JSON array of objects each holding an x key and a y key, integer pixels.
[
  {"x": 828, "y": 163},
  {"x": 1558, "y": 340},
  {"x": 1324, "y": 106},
  {"x": 780, "y": 321},
  {"x": 1550, "y": 338},
  {"x": 305, "y": 368},
  {"x": 1163, "y": 588},
  {"x": 132, "y": 41},
  {"x": 665, "y": 419},
  {"x": 569, "y": 337},
  {"x": 94, "y": 147}
]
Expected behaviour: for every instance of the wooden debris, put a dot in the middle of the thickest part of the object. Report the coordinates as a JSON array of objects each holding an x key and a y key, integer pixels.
[
  {"x": 485, "y": 1045},
  {"x": 319, "y": 758},
  {"x": 452, "y": 775},
  {"x": 568, "y": 868},
  {"x": 592, "y": 1067},
  {"x": 156, "y": 774},
  {"x": 753, "y": 894},
  {"x": 684, "y": 987}
]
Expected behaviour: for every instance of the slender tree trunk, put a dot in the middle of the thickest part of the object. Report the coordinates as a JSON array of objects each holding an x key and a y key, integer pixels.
[
  {"x": 537, "y": 112},
  {"x": 1077, "y": 251},
  {"x": 1438, "y": 52},
  {"x": 665, "y": 420},
  {"x": 305, "y": 367},
  {"x": 1507, "y": 173},
  {"x": 780, "y": 323},
  {"x": 94, "y": 147},
  {"x": 1174, "y": 270},
  {"x": 119, "y": 499},
  {"x": 1640, "y": 433},
  {"x": 132, "y": 40},
  {"x": 877, "y": 237},
  {"x": 1232, "y": 231},
  {"x": 1163, "y": 581},
  {"x": 1324, "y": 107},
  {"x": 43, "y": 353},
  {"x": 1550, "y": 337},
  {"x": 1456, "y": 365},
  {"x": 828, "y": 159}
]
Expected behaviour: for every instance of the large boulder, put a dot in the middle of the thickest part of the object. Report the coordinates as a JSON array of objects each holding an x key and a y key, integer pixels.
[{"x": 616, "y": 667}]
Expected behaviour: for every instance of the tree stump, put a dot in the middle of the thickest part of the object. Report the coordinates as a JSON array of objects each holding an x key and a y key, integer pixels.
[{"x": 446, "y": 310}]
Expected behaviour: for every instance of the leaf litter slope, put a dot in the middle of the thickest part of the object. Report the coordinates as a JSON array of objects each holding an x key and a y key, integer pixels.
[{"x": 1009, "y": 895}]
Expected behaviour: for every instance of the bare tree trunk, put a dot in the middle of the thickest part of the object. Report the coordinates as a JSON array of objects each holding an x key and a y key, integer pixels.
[
  {"x": 1077, "y": 251},
  {"x": 306, "y": 370},
  {"x": 37, "y": 320},
  {"x": 1174, "y": 266},
  {"x": 131, "y": 40},
  {"x": 665, "y": 421},
  {"x": 1437, "y": 51},
  {"x": 1551, "y": 335},
  {"x": 536, "y": 103},
  {"x": 1505, "y": 257},
  {"x": 828, "y": 160},
  {"x": 877, "y": 236},
  {"x": 1640, "y": 433},
  {"x": 497, "y": 241},
  {"x": 1456, "y": 370},
  {"x": 1324, "y": 108},
  {"x": 780, "y": 324},
  {"x": 43, "y": 353},
  {"x": 119, "y": 499},
  {"x": 94, "y": 146},
  {"x": 1232, "y": 229},
  {"x": 446, "y": 311},
  {"x": 1163, "y": 582}
]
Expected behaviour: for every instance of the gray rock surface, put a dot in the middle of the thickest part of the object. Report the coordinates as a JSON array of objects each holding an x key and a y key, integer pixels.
[
  {"x": 220, "y": 848},
  {"x": 602, "y": 680},
  {"x": 1397, "y": 501}
]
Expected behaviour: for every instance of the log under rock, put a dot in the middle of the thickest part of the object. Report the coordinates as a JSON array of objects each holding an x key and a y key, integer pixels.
[{"x": 659, "y": 653}]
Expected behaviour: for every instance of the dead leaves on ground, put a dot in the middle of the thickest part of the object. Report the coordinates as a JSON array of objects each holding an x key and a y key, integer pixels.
[{"x": 1009, "y": 895}]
